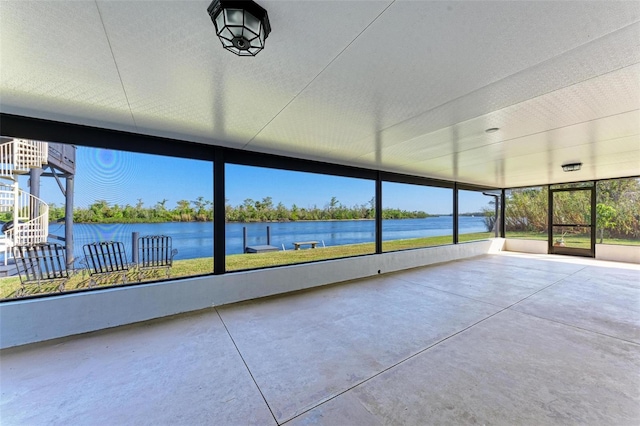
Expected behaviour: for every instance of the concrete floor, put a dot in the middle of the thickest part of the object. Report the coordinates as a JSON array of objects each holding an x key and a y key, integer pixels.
[{"x": 503, "y": 339}]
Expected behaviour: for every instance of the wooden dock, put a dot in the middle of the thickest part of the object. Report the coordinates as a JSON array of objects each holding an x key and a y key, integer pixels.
[{"x": 260, "y": 249}]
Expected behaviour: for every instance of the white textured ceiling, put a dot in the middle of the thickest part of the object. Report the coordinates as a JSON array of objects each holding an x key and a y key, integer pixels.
[{"x": 402, "y": 86}]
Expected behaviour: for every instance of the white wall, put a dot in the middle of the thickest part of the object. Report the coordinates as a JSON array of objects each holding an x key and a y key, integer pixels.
[
  {"x": 618, "y": 253},
  {"x": 29, "y": 321},
  {"x": 526, "y": 246}
]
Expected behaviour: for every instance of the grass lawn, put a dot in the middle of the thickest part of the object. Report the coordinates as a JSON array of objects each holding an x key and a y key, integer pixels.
[
  {"x": 577, "y": 241},
  {"x": 618, "y": 241},
  {"x": 201, "y": 266},
  {"x": 528, "y": 235},
  {"x": 475, "y": 236},
  {"x": 252, "y": 261}
]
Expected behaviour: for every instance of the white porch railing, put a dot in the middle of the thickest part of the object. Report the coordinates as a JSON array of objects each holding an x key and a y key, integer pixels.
[
  {"x": 21, "y": 155},
  {"x": 29, "y": 215}
]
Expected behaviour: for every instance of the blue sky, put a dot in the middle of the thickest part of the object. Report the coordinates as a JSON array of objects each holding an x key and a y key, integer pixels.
[{"x": 123, "y": 178}]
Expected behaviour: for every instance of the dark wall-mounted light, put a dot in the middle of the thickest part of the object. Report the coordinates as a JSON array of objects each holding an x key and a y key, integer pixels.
[
  {"x": 571, "y": 167},
  {"x": 242, "y": 26}
]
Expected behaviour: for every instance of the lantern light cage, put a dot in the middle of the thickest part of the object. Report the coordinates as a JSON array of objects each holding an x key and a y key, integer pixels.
[
  {"x": 571, "y": 167},
  {"x": 242, "y": 26}
]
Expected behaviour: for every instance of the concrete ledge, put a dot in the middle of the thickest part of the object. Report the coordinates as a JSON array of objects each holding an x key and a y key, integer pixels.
[
  {"x": 614, "y": 252},
  {"x": 497, "y": 245},
  {"x": 36, "y": 320},
  {"x": 618, "y": 253},
  {"x": 526, "y": 246}
]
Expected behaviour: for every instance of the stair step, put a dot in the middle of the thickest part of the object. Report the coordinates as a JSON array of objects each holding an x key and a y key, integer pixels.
[{"x": 19, "y": 158}]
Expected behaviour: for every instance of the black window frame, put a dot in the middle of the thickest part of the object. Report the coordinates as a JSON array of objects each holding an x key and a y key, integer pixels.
[{"x": 97, "y": 137}]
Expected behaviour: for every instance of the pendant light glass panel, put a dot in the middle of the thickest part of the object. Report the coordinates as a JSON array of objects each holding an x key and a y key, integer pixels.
[
  {"x": 234, "y": 16},
  {"x": 252, "y": 23}
]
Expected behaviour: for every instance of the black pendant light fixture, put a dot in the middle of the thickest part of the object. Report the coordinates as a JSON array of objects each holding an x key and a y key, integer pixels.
[
  {"x": 571, "y": 167},
  {"x": 242, "y": 26}
]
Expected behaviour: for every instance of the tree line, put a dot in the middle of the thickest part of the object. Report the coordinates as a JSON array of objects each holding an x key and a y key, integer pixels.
[
  {"x": 201, "y": 210},
  {"x": 101, "y": 211},
  {"x": 617, "y": 209},
  {"x": 265, "y": 210}
]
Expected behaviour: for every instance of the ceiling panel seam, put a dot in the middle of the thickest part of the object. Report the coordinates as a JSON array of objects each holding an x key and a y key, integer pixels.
[
  {"x": 547, "y": 131},
  {"x": 318, "y": 75},
  {"x": 510, "y": 76},
  {"x": 538, "y": 133},
  {"x": 115, "y": 63},
  {"x": 509, "y": 106},
  {"x": 555, "y": 150}
]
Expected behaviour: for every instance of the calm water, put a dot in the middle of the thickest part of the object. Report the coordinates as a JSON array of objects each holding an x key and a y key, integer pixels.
[{"x": 195, "y": 239}]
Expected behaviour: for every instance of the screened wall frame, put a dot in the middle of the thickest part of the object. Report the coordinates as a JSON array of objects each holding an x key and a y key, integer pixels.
[
  {"x": 505, "y": 205},
  {"x": 558, "y": 245},
  {"x": 630, "y": 214},
  {"x": 569, "y": 186},
  {"x": 237, "y": 157},
  {"x": 500, "y": 206},
  {"x": 422, "y": 190},
  {"x": 82, "y": 135},
  {"x": 319, "y": 209},
  {"x": 410, "y": 180}
]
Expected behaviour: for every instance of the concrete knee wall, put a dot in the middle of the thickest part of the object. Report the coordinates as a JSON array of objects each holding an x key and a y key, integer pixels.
[{"x": 36, "y": 320}]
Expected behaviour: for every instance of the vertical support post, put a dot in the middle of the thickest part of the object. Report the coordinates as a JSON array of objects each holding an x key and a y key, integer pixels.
[
  {"x": 503, "y": 214},
  {"x": 34, "y": 189},
  {"x": 134, "y": 247},
  {"x": 244, "y": 239},
  {"x": 549, "y": 220},
  {"x": 68, "y": 221},
  {"x": 594, "y": 222},
  {"x": 268, "y": 235},
  {"x": 378, "y": 213},
  {"x": 496, "y": 225},
  {"x": 218, "y": 212},
  {"x": 455, "y": 213}
]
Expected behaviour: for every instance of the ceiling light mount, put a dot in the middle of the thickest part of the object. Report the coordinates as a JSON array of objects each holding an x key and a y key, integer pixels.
[
  {"x": 571, "y": 167},
  {"x": 242, "y": 26}
]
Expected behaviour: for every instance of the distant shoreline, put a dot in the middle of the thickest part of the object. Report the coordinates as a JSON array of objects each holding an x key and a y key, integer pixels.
[{"x": 60, "y": 222}]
